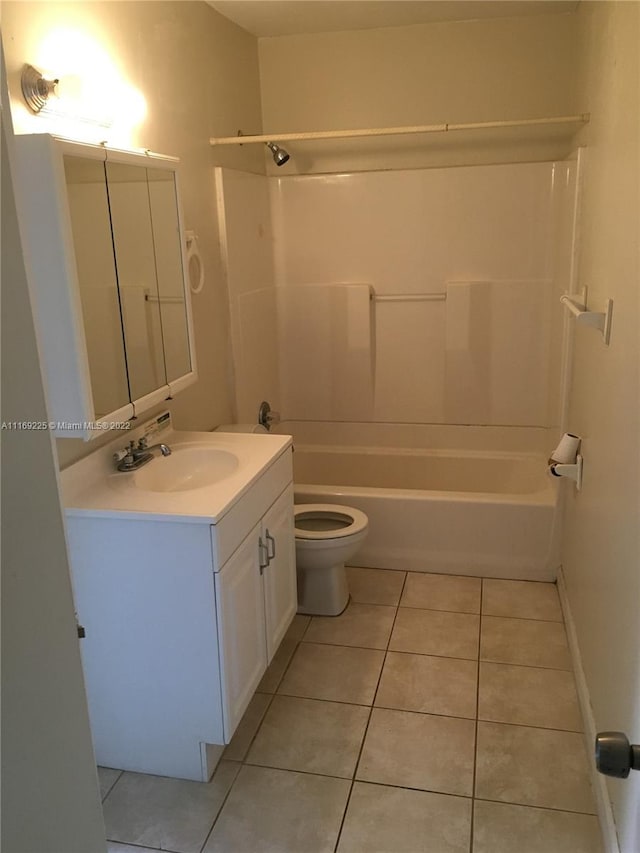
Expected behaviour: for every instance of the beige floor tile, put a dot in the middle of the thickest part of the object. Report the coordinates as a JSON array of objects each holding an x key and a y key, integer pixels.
[
  {"x": 170, "y": 814},
  {"x": 309, "y": 735},
  {"x": 525, "y": 642},
  {"x": 364, "y": 625},
  {"x": 297, "y": 628},
  {"x": 432, "y": 685},
  {"x": 528, "y": 696},
  {"x": 533, "y": 767},
  {"x": 442, "y": 592},
  {"x": 501, "y": 828},
  {"x": 433, "y": 632},
  {"x": 381, "y": 819},
  {"x": 521, "y": 599},
  {"x": 275, "y": 811},
  {"x": 418, "y": 751},
  {"x": 107, "y": 778},
  {"x": 248, "y": 726},
  {"x": 338, "y": 673},
  {"x": 276, "y": 669},
  {"x": 375, "y": 586}
]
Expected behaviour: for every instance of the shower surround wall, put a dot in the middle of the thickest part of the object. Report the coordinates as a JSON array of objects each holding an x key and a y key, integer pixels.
[
  {"x": 246, "y": 249},
  {"x": 485, "y": 250}
]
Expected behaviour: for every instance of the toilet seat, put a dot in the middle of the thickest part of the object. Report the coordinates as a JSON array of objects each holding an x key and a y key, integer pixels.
[{"x": 334, "y": 521}]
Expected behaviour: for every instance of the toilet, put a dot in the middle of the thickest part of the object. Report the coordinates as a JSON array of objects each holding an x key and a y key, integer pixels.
[{"x": 327, "y": 535}]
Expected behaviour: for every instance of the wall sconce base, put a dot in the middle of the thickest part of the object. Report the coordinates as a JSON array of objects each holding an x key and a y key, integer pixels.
[{"x": 35, "y": 89}]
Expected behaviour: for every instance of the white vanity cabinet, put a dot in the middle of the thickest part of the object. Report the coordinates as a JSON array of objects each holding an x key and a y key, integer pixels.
[
  {"x": 182, "y": 617},
  {"x": 256, "y": 598},
  {"x": 103, "y": 238}
]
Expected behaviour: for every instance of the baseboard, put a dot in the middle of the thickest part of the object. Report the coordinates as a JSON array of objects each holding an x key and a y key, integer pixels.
[
  {"x": 598, "y": 781},
  {"x": 210, "y": 754}
]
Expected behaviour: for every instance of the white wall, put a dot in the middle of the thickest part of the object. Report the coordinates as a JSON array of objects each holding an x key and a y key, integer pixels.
[
  {"x": 198, "y": 74},
  {"x": 50, "y": 798},
  {"x": 601, "y": 542},
  {"x": 506, "y": 68}
]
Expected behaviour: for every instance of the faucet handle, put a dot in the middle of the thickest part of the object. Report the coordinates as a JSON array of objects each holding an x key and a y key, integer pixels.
[
  {"x": 125, "y": 453},
  {"x": 266, "y": 416},
  {"x": 143, "y": 443}
]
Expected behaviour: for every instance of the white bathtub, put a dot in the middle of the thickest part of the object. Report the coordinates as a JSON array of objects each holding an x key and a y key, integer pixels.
[{"x": 470, "y": 512}]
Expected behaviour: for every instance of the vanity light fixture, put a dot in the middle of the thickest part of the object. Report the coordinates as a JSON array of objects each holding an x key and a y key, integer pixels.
[{"x": 35, "y": 88}]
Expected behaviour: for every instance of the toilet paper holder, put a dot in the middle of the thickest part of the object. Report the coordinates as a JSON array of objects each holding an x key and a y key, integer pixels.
[
  {"x": 566, "y": 461},
  {"x": 571, "y": 471}
]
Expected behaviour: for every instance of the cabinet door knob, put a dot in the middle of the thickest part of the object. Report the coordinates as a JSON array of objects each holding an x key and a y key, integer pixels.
[
  {"x": 270, "y": 553},
  {"x": 262, "y": 548}
]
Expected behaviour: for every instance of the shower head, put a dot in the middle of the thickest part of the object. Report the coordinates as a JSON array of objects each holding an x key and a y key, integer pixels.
[{"x": 280, "y": 156}]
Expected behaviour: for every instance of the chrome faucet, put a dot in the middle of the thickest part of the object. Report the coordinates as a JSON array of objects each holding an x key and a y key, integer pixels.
[{"x": 135, "y": 456}]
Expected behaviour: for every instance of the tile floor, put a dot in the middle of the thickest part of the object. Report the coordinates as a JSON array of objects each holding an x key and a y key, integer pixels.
[{"x": 438, "y": 714}]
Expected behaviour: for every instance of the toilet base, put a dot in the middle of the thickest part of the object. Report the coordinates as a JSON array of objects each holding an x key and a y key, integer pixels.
[{"x": 322, "y": 591}]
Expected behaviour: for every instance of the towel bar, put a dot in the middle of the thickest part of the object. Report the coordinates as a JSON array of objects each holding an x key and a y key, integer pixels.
[{"x": 577, "y": 306}]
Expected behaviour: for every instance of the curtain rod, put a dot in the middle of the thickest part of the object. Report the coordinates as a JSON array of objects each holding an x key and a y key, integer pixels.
[{"x": 581, "y": 118}]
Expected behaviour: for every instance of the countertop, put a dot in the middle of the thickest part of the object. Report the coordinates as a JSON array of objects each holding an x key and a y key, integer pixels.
[{"x": 93, "y": 487}]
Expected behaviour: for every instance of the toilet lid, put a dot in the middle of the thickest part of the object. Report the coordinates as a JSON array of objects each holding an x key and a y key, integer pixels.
[{"x": 328, "y": 521}]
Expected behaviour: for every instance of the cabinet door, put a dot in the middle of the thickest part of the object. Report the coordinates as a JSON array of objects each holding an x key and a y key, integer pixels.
[
  {"x": 280, "y": 589},
  {"x": 133, "y": 242},
  {"x": 167, "y": 238},
  {"x": 241, "y": 629},
  {"x": 97, "y": 282}
]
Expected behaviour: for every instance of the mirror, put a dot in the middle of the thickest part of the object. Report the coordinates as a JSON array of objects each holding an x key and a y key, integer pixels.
[
  {"x": 95, "y": 265},
  {"x": 167, "y": 240},
  {"x": 133, "y": 243},
  {"x": 110, "y": 295}
]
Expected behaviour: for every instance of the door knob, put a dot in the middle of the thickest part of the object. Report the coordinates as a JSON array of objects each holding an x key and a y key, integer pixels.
[{"x": 615, "y": 756}]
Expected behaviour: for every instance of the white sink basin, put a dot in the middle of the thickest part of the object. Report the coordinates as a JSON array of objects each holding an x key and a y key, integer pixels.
[
  {"x": 205, "y": 475},
  {"x": 188, "y": 467}
]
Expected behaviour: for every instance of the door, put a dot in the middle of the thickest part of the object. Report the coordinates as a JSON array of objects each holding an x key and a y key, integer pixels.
[
  {"x": 241, "y": 630},
  {"x": 280, "y": 589}
]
